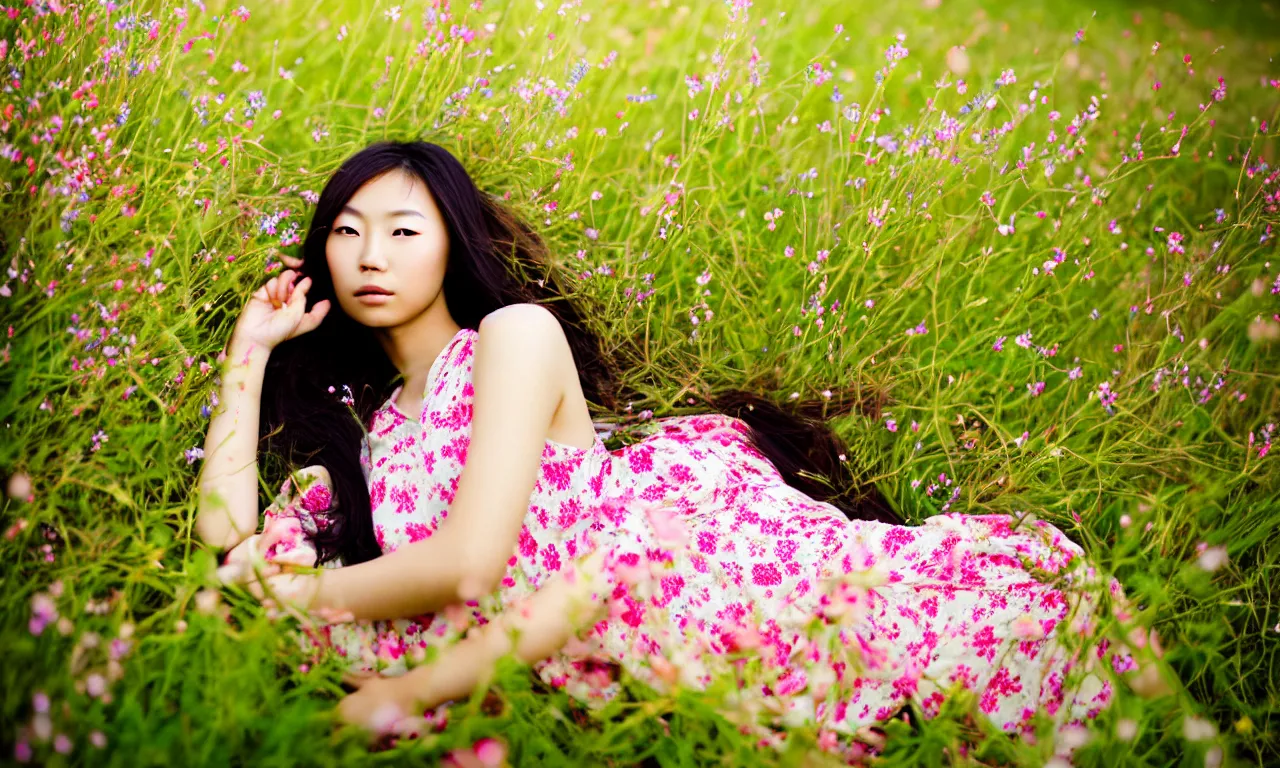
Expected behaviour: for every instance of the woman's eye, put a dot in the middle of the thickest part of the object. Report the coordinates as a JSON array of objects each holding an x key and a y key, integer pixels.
[{"x": 338, "y": 230}]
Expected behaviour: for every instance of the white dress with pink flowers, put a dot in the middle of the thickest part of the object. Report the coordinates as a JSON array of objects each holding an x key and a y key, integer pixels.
[{"x": 712, "y": 557}]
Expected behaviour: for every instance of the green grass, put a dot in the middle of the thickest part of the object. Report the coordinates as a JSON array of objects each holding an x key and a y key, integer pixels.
[{"x": 152, "y": 227}]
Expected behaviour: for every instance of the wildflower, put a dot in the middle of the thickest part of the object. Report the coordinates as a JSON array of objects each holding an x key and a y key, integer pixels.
[
  {"x": 192, "y": 454},
  {"x": 43, "y": 612},
  {"x": 896, "y": 52},
  {"x": 1220, "y": 92},
  {"x": 1212, "y": 558},
  {"x": 207, "y": 600},
  {"x": 490, "y": 752},
  {"x": 1106, "y": 396},
  {"x": 19, "y": 487},
  {"x": 999, "y": 345},
  {"x": 1198, "y": 729}
]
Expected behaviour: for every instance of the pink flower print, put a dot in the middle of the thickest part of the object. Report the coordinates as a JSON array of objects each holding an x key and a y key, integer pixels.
[
  {"x": 706, "y": 542},
  {"x": 654, "y": 492},
  {"x": 455, "y": 417},
  {"x": 640, "y": 457},
  {"x": 317, "y": 498},
  {"x": 631, "y": 612},
  {"x": 985, "y": 642},
  {"x": 896, "y": 539},
  {"x": 390, "y": 646},
  {"x": 377, "y": 492},
  {"x": 611, "y": 511},
  {"x": 1003, "y": 684},
  {"x": 682, "y": 474},
  {"x": 765, "y": 575},
  {"x": 905, "y": 686},
  {"x": 964, "y": 675},
  {"x": 733, "y": 571},
  {"x": 671, "y": 586},
  {"x": 417, "y": 531},
  {"x": 557, "y": 474},
  {"x": 1052, "y": 598},
  {"x": 551, "y": 558},
  {"x": 457, "y": 449},
  {"x": 527, "y": 544},
  {"x": 405, "y": 498},
  {"x": 570, "y": 510}
]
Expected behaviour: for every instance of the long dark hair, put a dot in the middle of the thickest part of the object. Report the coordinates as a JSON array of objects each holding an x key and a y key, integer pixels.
[{"x": 494, "y": 260}]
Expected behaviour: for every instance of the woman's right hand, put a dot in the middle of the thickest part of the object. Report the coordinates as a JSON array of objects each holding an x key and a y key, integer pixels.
[
  {"x": 244, "y": 558},
  {"x": 276, "y": 312}
]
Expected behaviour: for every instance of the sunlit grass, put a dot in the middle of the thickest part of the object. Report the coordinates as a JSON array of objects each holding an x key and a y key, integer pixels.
[{"x": 1052, "y": 249}]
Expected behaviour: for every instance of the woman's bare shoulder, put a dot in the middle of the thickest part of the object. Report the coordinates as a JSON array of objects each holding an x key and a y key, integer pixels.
[{"x": 526, "y": 325}]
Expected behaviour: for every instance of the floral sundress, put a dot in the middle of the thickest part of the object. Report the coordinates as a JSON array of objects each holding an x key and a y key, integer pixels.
[{"x": 712, "y": 561}]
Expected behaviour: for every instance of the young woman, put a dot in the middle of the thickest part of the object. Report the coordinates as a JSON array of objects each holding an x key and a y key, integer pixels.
[{"x": 475, "y": 509}]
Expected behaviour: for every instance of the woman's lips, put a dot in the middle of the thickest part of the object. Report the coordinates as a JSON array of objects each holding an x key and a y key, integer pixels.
[{"x": 373, "y": 298}]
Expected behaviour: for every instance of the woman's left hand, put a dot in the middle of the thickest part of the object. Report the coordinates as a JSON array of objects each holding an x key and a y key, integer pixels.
[
  {"x": 381, "y": 705},
  {"x": 297, "y": 592}
]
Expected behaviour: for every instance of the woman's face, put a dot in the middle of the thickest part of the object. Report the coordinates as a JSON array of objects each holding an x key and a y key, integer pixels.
[{"x": 390, "y": 235}]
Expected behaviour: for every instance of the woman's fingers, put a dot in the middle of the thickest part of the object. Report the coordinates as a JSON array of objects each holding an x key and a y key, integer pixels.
[
  {"x": 279, "y": 288},
  {"x": 358, "y": 679},
  {"x": 285, "y": 287},
  {"x": 299, "y": 291}
]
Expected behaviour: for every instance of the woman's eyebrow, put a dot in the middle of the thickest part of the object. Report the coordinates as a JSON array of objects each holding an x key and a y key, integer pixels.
[{"x": 401, "y": 212}]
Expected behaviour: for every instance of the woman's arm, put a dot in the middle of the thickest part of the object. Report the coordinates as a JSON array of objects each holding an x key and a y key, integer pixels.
[
  {"x": 228, "y": 506},
  {"x": 535, "y": 628},
  {"x": 519, "y": 374}
]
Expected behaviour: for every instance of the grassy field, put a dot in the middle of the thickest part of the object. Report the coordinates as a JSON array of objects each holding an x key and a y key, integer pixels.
[{"x": 1046, "y": 236}]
